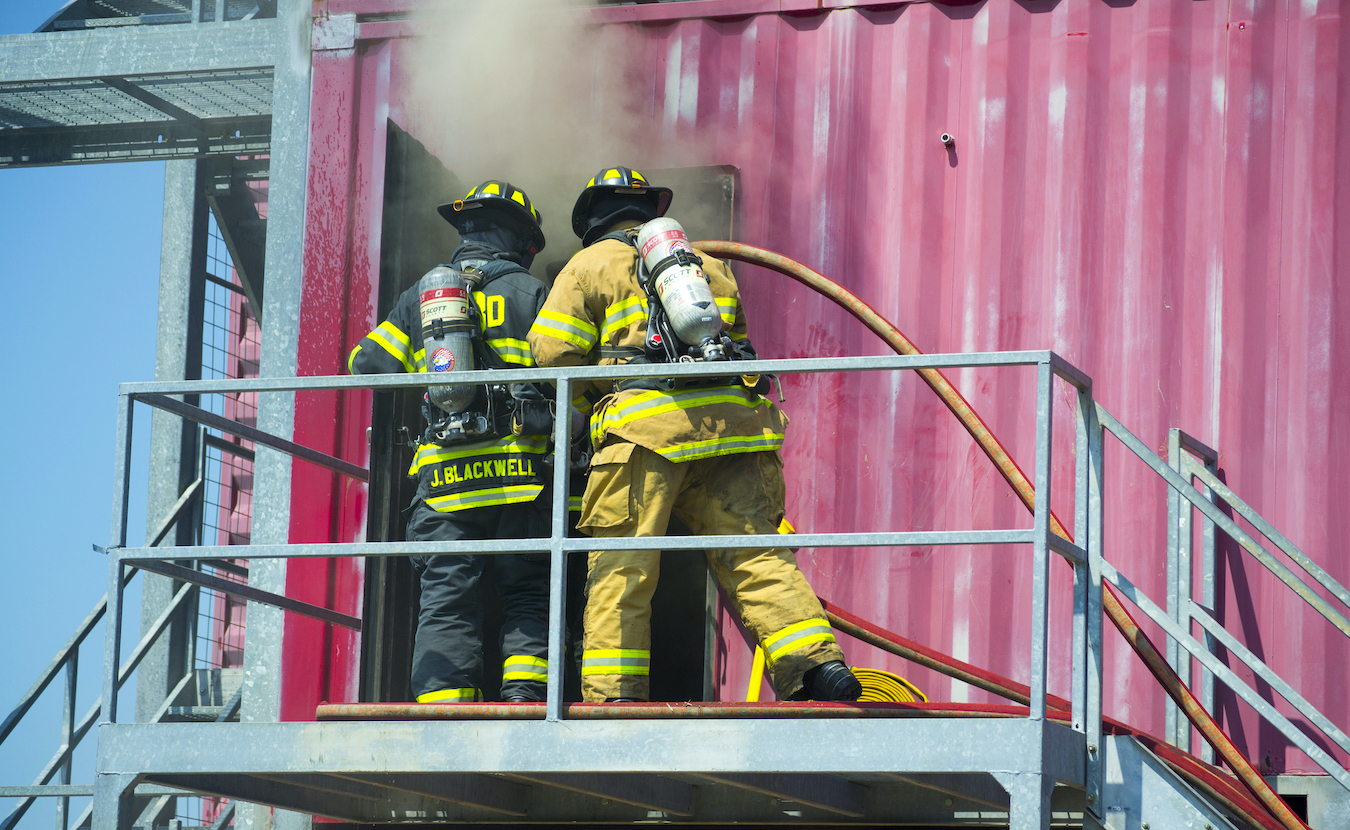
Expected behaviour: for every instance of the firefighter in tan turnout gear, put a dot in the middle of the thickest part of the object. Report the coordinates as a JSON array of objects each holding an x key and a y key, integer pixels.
[
  {"x": 705, "y": 451},
  {"x": 479, "y": 465}
]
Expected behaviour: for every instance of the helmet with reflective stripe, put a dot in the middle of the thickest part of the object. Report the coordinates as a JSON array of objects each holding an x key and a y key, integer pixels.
[
  {"x": 497, "y": 203},
  {"x": 616, "y": 181}
]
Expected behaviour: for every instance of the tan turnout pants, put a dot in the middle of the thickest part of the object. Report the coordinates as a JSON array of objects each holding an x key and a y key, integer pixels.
[{"x": 633, "y": 491}]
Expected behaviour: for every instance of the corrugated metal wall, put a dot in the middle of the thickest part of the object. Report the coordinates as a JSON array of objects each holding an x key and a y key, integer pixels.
[{"x": 1151, "y": 189}]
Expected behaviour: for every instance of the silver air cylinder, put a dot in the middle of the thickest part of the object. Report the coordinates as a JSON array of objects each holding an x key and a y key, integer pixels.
[
  {"x": 447, "y": 333},
  {"x": 680, "y": 281}
]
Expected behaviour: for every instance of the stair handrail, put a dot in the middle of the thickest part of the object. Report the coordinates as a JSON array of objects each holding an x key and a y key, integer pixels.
[
  {"x": 1198, "y": 464},
  {"x": 1174, "y": 630},
  {"x": 73, "y": 732},
  {"x": 63, "y": 754},
  {"x": 1326, "y": 580}
]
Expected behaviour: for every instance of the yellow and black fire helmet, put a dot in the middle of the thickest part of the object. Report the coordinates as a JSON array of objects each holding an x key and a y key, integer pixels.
[
  {"x": 617, "y": 181},
  {"x": 499, "y": 203}
]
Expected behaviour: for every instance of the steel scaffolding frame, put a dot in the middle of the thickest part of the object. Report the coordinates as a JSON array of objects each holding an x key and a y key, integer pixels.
[
  {"x": 127, "y": 87},
  {"x": 138, "y": 92},
  {"x": 373, "y": 771}
]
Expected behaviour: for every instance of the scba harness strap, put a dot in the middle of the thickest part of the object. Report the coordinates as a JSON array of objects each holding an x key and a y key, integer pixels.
[
  {"x": 496, "y": 410},
  {"x": 635, "y": 355}
]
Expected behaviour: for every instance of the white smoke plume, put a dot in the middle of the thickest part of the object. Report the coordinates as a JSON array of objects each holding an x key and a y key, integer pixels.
[{"x": 528, "y": 91}]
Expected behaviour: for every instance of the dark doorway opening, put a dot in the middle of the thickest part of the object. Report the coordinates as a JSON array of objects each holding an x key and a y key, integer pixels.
[{"x": 414, "y": 239}]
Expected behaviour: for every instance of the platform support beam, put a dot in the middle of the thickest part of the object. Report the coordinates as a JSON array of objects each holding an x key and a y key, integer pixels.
[
  {"x": 1029, "y": 799},
  {"x": 113, "y": 800}
]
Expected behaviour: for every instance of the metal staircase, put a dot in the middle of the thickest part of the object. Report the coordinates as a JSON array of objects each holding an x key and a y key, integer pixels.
[
  {"x": 198, "y": 695},
  {"x": 1037, "y": 763}
]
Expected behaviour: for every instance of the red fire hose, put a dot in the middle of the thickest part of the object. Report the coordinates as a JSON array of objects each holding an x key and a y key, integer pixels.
[
  {"x": 1128, "y": 628},
  {"x": 1210, "y": 779}
]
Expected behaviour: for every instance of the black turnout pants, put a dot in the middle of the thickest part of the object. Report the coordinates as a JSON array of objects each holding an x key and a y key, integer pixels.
[{"x": 448, "y": 651}]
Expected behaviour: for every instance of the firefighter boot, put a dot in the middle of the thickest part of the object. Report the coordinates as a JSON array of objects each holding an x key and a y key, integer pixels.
[
  {"x": 831, "y": 681},
  {"x": 524, "y": 691}
]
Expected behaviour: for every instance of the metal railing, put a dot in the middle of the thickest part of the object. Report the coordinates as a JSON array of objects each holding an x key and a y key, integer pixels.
[
  {"x": 67, "y": 659},
  {"x": 1190, "y": 460},
  {"x": 123, "y": 562},
  {"x": 73, "y": 731},
  {"x": 1084, "y": 556}
]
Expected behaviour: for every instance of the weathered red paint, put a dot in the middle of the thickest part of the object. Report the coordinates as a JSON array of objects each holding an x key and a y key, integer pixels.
[
  {"x": 1151, "y": 190},
  {"x": 341, "y": 274}
]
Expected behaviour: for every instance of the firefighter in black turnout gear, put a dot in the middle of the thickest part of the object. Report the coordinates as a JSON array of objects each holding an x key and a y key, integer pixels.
[{"x": 480, "y": 472}]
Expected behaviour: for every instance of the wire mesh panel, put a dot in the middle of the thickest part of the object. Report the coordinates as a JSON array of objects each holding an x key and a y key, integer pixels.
[
  {"x": 230, "y": 342},
  {"x": 230, "y": 339}
]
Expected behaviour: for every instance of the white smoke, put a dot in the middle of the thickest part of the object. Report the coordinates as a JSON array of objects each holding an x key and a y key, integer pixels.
[{"x": 529, "y": 91}]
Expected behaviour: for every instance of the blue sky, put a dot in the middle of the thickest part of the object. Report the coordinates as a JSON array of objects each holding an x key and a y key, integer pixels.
[{"x": 79, "y": 265}]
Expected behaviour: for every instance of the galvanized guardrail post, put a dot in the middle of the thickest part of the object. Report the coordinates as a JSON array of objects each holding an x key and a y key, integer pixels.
[
  {"x": 1087, "y": 531},
  {"x": 1180, "y": 590},
  {"x": 1040, "y": 569},
  {"x": 67, "y": 738},
  {"x": 557, "y": 602},
  {"x": 121, "y": 506}
]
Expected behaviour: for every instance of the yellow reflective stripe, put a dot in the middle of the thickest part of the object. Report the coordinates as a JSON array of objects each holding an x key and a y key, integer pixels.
[
  {"x": 623, "y": 314},
  {"x": 803, "y": 642},
  {"x": 727, "y": 306},
  {"x": 511, "y": 350},
  {"x": 393, "y": 341},
  {"x": 435, "y": 454},
  {"x": 489, "y": 497},
  {"x": 566, "y": 328},
  {"x": 395, "y": 334},
  {"x": 798, "y": 636},
  {"x": 352, "y": 357},
  {"x": 449, "y": 696},
  {"x": 648, "y": 403},
  {"x": 723, "y": 446},
  {"x": 520, "y": 667},
  {"x": 574, "y": 504},
  {"x": 538, "y": 677},
  {"x": 787, "y": 631},
  {"x": 616, "y": 661}
]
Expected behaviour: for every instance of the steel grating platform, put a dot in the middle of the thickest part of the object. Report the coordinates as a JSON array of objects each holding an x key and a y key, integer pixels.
[
  {"x": 775, "y": 763},
  {"x": 153, "y": 117},
  {"x": 133, "y": 93},
  {"x": 90, "y": 14},
  {"x": 83, "y": 103}
]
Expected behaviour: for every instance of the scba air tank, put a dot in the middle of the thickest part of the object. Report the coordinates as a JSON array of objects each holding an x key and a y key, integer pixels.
[
  {"x": 447, "y": 333},
  {"x": 680, "y": 281}
]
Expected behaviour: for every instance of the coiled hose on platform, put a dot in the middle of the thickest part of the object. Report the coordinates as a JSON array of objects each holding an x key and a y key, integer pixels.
[{"x": 1013, "y": 474}]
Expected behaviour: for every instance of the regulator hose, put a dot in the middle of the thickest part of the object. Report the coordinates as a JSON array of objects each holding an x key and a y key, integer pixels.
[{"x": 1013, "y": 474}]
